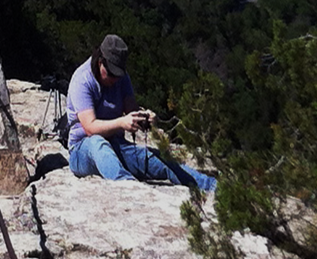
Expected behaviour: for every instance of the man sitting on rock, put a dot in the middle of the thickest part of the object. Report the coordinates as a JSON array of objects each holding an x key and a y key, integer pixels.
[{"x": 101, "y": 106}]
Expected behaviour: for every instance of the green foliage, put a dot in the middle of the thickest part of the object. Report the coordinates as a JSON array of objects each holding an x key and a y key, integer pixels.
[
  {"x": 200, "y": 104},
  {"x": 163, "y": 144},
  {"x": 209, "y": 240},
  {"x": 311, "y": 235},
  {"x": 244, "y": 199},
  {"x": 192, "y": 217},
  {"x": 268, "y": 134},
  {"x": 168, "y": 151}
]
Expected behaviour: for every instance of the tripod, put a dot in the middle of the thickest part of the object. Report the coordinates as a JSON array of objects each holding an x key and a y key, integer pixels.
[{"x": 57, "y": 110}]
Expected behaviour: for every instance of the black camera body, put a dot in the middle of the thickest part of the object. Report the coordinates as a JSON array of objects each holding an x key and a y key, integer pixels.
[
  {"x": 49, "y": 83},
  {"x": 144, "y": 124}
]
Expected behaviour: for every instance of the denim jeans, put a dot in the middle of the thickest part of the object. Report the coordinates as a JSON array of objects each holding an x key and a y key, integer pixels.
[{"x": 118, "y": 159}]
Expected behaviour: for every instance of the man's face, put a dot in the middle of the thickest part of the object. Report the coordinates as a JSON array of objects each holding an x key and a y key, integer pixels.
[{"x": 106, "y": 77}]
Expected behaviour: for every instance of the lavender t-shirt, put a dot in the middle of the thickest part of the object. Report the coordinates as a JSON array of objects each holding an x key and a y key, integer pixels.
[{"x": 86, "y": 93}]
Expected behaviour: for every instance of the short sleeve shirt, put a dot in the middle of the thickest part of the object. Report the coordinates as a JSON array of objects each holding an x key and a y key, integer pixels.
[{"x": 86, "y": 93}]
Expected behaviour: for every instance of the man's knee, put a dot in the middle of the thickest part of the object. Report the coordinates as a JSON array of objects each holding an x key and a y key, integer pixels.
[{"x": 97, "y": 140}]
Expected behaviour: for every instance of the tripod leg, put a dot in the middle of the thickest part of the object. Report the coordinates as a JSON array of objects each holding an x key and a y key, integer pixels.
[
  {"x": 55, "y": 105},
  {"x": 57, "y": 112},
  {"x": 47, "y": 104},
  {"x": 7, "y": 238},
  {"x": 59, "y": 104}
]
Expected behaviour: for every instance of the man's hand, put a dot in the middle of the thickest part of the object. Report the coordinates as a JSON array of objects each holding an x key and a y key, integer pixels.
[
  {"x": 134, "y": 121},
  {"x": 130, "y": 122},
  {"x": 151, "y": 114}
]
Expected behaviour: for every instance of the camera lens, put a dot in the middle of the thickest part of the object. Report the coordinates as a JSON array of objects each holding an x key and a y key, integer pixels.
[{"x": 145, "y": 124}]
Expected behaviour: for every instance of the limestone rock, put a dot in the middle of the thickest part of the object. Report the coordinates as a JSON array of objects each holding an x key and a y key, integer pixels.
[
  {"x": 91, "y": 217},
  {"x": 13, "y": 170}
]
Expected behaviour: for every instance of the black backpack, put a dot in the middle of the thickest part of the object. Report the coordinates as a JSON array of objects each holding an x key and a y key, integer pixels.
[{"x": 62, "y": 128}]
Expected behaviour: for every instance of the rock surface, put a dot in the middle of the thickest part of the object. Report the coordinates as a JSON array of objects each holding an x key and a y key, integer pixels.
[
  {"x": 91, "y": 217},
  {"x": 13, "y": 170}
]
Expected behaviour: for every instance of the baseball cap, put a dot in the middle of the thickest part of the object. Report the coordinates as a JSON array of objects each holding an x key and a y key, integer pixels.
[{"x": 115, "y": 51}]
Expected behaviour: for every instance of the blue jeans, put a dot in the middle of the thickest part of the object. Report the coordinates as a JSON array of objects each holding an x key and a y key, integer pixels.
[{"x": 119, "y": 159}]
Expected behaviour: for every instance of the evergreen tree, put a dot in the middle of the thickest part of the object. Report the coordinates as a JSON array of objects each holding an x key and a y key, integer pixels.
[{"x": 262, "y": 139}]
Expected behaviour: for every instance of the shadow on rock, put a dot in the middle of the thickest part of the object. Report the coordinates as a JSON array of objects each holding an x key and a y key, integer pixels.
[
  {"x": 158, "y": 182},
  {"x": 47, "y": 164}
]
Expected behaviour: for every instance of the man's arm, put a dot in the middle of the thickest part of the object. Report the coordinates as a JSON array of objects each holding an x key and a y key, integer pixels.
[
  {"x": 130, "y": 105},
  {"x": 107, "y": 128}
]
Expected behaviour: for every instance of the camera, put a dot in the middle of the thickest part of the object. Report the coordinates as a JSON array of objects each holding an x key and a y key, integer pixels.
[
  {"x": 49, "y": 83},
  {"x": 144, "y": 124}
]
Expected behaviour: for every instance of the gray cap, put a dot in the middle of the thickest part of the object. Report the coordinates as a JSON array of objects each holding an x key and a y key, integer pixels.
[{"x": 115, "y": 51}]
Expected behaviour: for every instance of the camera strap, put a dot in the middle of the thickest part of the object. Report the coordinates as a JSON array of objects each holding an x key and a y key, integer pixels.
[{"x": 146, "y": 159}]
